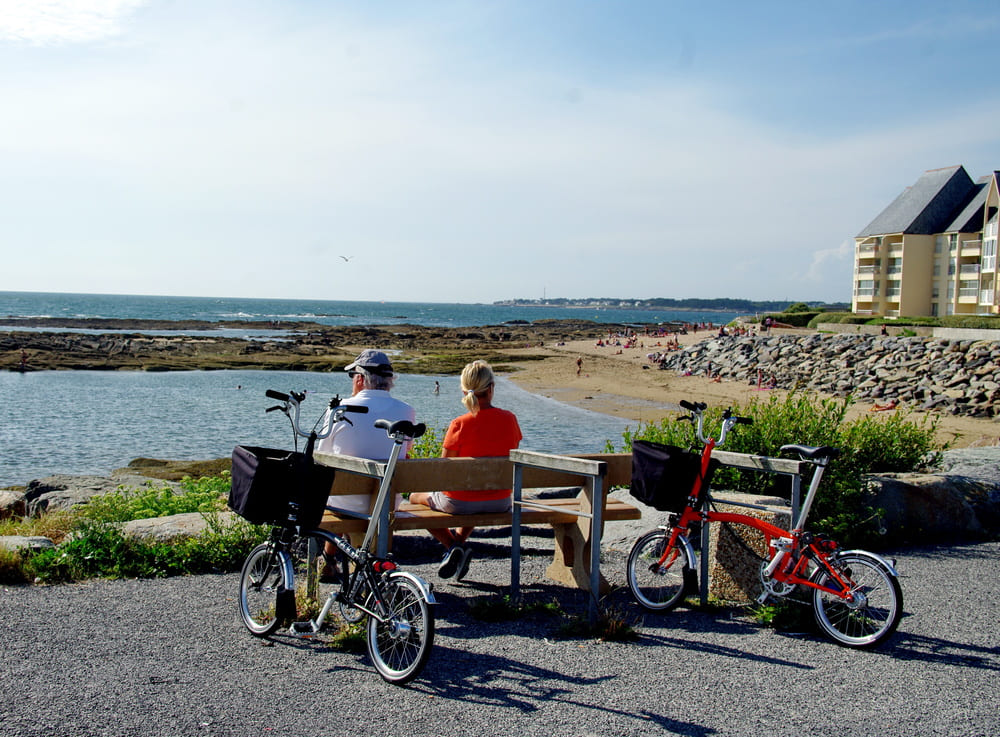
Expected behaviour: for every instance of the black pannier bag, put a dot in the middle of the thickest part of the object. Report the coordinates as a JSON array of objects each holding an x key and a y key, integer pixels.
[
  {"x": 265, "y": 480},
  {"x": 663, "y": 475}
]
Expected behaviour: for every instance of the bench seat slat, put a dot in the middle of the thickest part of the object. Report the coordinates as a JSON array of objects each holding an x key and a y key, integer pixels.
[{"x": 419, "y": 517}]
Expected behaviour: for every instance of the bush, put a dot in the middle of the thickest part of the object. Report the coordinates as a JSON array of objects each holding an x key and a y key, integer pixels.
[
  {"x": 204, "y": 495},
  {"x": 868, "y": 445},
  {"x": 796, "y": 319},
  {"x": 846, "y": 318},
  {"x": 102, "y": 549},
  {"x": 427, "y": 445}
]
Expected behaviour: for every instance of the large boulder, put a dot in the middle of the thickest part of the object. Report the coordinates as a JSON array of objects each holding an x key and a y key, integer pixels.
[
  {"x": 174, "y": 527},
  {"x": 63, "y": 491}
]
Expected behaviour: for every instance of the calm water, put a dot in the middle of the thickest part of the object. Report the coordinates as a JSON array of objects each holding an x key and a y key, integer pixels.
[
  {"x": 214, "y": 309},
  {"x": 90, "y": 422},
  {"x": 84, "y": 422}
]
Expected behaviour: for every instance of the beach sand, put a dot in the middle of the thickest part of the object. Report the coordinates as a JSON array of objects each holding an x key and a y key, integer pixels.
[{"x": 625, "y": 385}]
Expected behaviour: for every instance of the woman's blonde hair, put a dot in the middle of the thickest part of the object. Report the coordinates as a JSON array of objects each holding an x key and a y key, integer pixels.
[{"x": 477, "y": 377}]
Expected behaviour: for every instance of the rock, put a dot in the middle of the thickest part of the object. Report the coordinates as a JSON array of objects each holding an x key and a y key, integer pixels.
[
  {"x": 12, "y": 503},
  {"x": 21, "y": 542},
  {"x": 63, "y": 491},
  {"x": 174, "y": 527}
]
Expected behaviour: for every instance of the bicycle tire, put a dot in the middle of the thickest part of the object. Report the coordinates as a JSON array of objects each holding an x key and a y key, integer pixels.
[
  {"x": 656, "y": 587},
  {"x": 400, "y": 646},
  {"x": 874, "y": 618},
  {"x": 264, "y": 592}
]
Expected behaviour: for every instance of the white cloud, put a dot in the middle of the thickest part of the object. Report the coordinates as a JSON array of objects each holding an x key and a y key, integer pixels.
[{"x": 43, "y": 22}]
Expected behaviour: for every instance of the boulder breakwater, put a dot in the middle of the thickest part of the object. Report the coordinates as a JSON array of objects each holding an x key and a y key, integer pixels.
[{"x": 961, "y": 377}]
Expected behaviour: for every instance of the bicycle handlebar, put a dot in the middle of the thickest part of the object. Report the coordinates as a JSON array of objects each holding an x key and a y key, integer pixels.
[
  {"x": 293, "y": 399},
  {"x": 729, "y": 421}
]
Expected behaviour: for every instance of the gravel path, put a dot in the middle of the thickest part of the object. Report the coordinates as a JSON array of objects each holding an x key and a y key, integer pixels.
[{"x": 170, "y": 657}]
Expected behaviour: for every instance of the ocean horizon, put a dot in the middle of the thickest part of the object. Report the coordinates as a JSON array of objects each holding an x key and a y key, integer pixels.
[{"x": 324, "y": 312}]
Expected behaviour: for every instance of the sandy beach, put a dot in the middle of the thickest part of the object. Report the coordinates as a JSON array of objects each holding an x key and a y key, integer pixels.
[{"x": 621, "y": 382}]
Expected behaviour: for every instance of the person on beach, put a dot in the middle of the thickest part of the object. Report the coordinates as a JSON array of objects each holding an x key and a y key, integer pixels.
[
  {"x": 372, "y": 379},
  {"x": 484, "y": 431}
]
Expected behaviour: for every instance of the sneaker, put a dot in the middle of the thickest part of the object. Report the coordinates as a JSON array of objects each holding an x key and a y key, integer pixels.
[
  {"x": 328, "y": 574},
  {"x": 451, "y": 562},
  {"x": 464, "y": 567}
]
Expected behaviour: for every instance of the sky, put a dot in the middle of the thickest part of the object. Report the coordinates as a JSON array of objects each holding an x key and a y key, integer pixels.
[{"x": 475, "y": 151}]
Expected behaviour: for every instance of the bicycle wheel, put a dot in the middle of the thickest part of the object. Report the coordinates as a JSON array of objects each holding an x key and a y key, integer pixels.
[
  {"x": 660, "y": 587},
  {"x": 400, "y": 645},
  {"x": 264, "y": 591},
  {"x": 875, "y": 610}
]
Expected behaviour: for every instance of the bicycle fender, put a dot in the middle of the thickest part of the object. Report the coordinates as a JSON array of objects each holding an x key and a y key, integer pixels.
[
  {"x": 688, "y": 548},
  {"x": 418, "y": 582},
  {"x": 883, "y": 561}
]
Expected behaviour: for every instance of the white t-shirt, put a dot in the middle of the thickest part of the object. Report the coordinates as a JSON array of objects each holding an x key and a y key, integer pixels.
[{"x": 363, "y": 440}]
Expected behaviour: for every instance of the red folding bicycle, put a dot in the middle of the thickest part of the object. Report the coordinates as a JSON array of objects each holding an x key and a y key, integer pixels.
[{"x": 855, "y": 595}]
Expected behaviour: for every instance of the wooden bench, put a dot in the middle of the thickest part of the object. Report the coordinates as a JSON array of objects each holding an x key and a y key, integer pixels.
[{"x": 577, "y": 521}]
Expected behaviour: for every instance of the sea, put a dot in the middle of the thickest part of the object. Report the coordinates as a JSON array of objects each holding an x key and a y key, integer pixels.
[{"x": 91, "y": 422}]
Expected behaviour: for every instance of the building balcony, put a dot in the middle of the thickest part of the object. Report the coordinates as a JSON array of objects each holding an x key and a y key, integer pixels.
[
  {"x": 986, "y": 296},
  {"x": 965, "y": 269},
  {"x": 971, "y": 248},
  {"x": 865, "y": 270}
]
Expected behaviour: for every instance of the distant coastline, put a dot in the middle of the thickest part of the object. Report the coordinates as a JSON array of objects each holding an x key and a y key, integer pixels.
[{"x": 742, "y": 306}]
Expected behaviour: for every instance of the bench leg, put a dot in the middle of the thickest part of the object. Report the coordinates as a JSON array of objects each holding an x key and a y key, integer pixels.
[{"x": 571, "y": 561}]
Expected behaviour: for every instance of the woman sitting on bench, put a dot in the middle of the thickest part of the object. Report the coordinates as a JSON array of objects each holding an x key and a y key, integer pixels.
[{"x": 484, "y": 431}]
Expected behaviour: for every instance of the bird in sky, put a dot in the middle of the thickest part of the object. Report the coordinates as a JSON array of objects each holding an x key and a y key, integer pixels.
[{"x": 347, "y": 258}]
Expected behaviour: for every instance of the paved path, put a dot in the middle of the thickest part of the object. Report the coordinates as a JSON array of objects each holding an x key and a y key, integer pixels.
[{"x": 169, "y": 657}]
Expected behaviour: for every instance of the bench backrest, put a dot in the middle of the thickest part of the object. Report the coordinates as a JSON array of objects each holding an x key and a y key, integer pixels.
[{"x": 361, "y": 476}]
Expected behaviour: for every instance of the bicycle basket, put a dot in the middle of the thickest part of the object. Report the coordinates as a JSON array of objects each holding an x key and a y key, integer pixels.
[
  {"x": 265, "y": 481},
  {"x": 663, "y": 475}
]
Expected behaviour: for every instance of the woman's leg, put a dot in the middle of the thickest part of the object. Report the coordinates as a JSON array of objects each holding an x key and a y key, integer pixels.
[{"x": 443, "y": 536}]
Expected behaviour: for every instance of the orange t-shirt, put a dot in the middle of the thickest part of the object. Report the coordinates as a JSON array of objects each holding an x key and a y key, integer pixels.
[{"x": 489, "y": 432}]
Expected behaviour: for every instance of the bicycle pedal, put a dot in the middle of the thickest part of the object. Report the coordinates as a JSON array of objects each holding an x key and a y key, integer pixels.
[
  {"x": 762, "y": 599},
  {"x": 303, "y": 629}
]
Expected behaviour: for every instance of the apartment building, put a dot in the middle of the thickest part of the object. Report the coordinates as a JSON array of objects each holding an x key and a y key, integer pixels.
[{"x": 932, "y": 251}]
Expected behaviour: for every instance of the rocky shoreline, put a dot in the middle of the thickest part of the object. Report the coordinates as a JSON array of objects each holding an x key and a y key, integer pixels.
[
  {"x": 303, "y": 346},
  {"x": 958, "y": 377}
]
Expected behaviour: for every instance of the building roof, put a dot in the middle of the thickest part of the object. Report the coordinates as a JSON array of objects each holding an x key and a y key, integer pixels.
[
  {"x": 929, "y": 206},
  {"x": 970, "y": 218}
]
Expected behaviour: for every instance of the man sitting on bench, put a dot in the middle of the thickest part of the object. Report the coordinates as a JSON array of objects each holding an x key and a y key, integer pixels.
[{"x": 371, "y": 379}]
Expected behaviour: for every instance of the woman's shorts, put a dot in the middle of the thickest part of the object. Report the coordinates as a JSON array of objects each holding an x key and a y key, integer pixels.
[{"x": 442, "y": 503}]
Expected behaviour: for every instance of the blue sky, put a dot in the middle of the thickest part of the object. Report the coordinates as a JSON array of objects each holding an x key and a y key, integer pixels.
[{"x": 474, "y": 151}]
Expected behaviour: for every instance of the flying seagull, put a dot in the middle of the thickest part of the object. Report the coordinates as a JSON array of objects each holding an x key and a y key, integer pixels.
[{"x": 347, "y": 258}]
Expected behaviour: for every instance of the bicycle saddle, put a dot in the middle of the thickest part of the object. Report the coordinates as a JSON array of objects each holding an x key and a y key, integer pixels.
[
  {"x": 402, "y": 427},
  {"x": 811, "y": 452}
]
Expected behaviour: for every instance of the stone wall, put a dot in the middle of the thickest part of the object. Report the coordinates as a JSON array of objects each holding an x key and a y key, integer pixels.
[{"x": 961, "y": 377}]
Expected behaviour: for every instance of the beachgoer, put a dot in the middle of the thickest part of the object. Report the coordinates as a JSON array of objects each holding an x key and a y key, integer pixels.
[
  {"x": 484, "y": 431},
  {"x": 890, "y": 405},
  {"x": 437, "y": 388},
  {"x": 579, "y": 364},
  {"x": 372, "y": 378}
]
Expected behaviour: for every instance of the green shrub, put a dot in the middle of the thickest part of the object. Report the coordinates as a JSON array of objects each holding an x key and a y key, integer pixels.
[
  {"x": 102, "y": 549},
  {"x": 204, "y": 495},
  {"x": 427, "y": 445},
  {"x": 796, "y": 319},
  {"x": 868, "y": 445}
]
